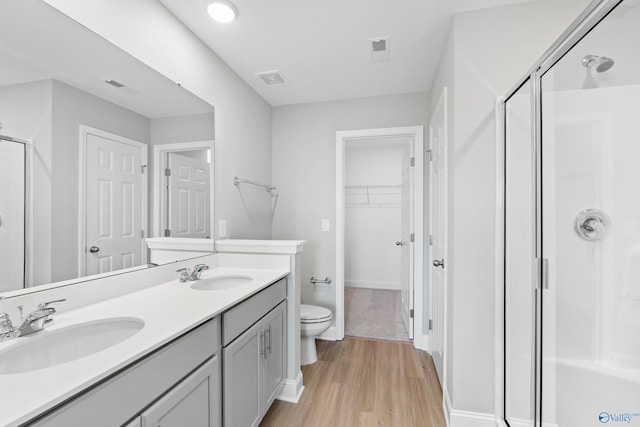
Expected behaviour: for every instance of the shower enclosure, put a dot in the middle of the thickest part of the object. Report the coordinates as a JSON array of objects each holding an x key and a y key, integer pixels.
[
  {"x": 13, "y": 208},
  {"x": 571, "y": 156}
]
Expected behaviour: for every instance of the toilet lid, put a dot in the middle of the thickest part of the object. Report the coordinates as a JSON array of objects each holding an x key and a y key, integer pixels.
[{"x": 314, "y": 313}]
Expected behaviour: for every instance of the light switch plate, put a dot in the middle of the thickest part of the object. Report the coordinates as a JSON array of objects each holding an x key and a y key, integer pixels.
[{"x": 326, "y": 225}]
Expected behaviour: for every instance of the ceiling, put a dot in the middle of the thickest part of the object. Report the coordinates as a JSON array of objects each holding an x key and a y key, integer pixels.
[
  {"x": 322, "y": 47},
  {"x": 38, "y": 42}
]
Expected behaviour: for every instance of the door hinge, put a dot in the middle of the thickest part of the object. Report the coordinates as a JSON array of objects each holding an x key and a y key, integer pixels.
[
  {"x": 142, "y": 234},
  {"x": 142, "y": 168},
  {"x": 430, "y": 324},
  {"x": 412, "y": 237},
  {"x": 167, "y": 172},
  {"x": 430, "y": 239},
  {"x": 411, "y": 313},
  {"x": 430, "y": 152},
  {"x": 167, "y": 233},
  {"x": 413, "y": 161}
]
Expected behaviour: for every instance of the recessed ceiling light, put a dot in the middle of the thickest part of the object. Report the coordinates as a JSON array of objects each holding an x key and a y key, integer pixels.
[{"x": 222, "y": 10}]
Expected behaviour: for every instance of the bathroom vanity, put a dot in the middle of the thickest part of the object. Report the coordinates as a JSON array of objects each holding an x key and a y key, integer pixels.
[{"x": 189, "y": 350}]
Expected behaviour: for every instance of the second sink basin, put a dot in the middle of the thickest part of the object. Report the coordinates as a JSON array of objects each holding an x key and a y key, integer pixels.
[
  {"x": 221, "y": 282},
  {"x": 50, "y": 348}
]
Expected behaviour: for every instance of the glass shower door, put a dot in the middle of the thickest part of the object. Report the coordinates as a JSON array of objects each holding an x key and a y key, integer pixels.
[{"x": 591, "y": 228}]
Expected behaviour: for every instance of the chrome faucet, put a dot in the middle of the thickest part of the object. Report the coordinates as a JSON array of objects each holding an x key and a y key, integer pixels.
[
  {"x": 187, "y": 274},
  {"x": 197, "y": 271},
  {"x": 34, "y": 322}
]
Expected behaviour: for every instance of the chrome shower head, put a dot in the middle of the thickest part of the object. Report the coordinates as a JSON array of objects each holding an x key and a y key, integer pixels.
[{"x": 601, "y": 63}]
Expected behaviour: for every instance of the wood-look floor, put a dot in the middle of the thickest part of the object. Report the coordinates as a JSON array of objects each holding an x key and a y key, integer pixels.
[{"x": 360, "y": 382}]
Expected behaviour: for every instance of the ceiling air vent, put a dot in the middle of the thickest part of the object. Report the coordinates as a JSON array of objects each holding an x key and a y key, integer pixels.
[
  {"x": 114, "y": 83},
  {"x": 272, "y": 78},
  {"x": 379, "y": 49}
]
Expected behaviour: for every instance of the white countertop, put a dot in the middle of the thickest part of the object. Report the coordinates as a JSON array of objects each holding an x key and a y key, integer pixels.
[{"x": 168, "y": 310}]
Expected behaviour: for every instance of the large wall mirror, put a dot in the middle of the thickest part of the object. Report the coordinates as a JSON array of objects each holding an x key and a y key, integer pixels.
[{"x": 80, "y": 120}]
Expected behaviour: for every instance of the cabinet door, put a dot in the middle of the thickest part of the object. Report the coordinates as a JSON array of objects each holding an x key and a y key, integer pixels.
[
  {"x": 242, "y": 366},
  {"x": 194, "y": 402},
  {"x": 274, "y": 327}
]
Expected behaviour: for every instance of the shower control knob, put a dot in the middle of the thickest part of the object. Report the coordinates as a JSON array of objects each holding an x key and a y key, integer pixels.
[
  {"x": 438, "y": 262},
  {"x": 94, "y": 249}
]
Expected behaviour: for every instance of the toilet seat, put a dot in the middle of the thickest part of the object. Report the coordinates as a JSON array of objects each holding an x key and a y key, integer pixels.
[{"x": 314, "y": 314}]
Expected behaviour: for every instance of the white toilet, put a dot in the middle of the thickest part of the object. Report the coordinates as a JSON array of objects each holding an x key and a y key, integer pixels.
[{"x": 314, "y": 320}]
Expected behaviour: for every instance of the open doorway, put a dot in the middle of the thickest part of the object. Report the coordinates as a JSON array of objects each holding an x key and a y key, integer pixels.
[{"x": 379, "y": 198}]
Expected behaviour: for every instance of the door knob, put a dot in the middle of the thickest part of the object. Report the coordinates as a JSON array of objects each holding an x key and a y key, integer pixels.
[
  {"x": 438, "y": 262},
  {"x": 94, "y": 249},
  {"x": 399, "y": 244}
]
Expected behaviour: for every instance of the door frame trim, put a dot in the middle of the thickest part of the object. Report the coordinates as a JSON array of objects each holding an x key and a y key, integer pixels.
[
  {"x": 417, "y": 133},
  {"x": 84, "y": 131},
  {"x": 159, "y": 198}
]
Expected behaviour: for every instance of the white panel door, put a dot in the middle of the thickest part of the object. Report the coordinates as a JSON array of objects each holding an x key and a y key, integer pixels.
[
  {"x": 406, "y": 245},
  {"x": 114, "y": 205},
  {"x": 12, "y": 215},
  {"x": 188, "y": 197},
  {"x": 438, "y": 235}
]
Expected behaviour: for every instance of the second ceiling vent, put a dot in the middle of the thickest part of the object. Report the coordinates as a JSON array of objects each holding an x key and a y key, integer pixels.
[{"x": 272, "y": 78}]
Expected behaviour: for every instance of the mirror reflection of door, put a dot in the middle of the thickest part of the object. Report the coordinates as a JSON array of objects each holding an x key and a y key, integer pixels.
[
  {"x": 188, "y": 193},
  {"x": 115, "y": 202}
]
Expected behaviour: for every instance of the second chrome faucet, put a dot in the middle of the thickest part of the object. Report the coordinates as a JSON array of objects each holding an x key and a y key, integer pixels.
[{"x": 187, "y": 274}]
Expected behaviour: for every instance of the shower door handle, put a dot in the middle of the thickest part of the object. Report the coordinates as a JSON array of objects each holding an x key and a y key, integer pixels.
[
  {"x": 438, "y": 262},
  {"x": 94, "y": 249}
]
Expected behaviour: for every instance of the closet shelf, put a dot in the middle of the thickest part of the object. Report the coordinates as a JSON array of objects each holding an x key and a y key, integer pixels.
[{"x": 373, "y": 195}]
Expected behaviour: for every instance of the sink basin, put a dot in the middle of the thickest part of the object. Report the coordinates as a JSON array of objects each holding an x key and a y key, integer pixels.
[
  {"x": 221, "y": 282},
  {"x": 50, "y": 348}
]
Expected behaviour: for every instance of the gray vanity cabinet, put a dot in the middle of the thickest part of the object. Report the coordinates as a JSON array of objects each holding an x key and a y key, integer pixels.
[
  {"x": 241, "y": 375},
  {"x": 178, "y": 382},
  {"x": 194, "y": 402},
  {"x": 254, "y": 361}
]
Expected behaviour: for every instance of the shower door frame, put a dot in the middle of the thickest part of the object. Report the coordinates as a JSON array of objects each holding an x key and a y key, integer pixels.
[
  {"x": 28, "y": 204},
  {"x": 588, "y": 19}
]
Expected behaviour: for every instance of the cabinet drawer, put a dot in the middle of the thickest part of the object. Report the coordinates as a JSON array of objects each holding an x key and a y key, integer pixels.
[
  {"x": 238, "y": 319},
  {"x": 116, "y": 400}
]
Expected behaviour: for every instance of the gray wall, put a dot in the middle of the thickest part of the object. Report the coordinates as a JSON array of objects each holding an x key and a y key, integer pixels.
[
  {"x": 243, "y": 118},
  {"x": 50, "y": 112},
  {"x": 26, "y": 112},
  {"x": 72, "y": 108},
  {"x": 304, "y": 170},
  {"x": 486, "y": 53}
]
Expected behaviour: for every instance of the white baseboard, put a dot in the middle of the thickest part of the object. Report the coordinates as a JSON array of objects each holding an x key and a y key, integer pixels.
[
  {"x": 365, "y": 284},
  {"x": 421, "y": 342},
  {"x": 471, "y": 419},
  {"x": 446, "y": 405},
  {"x": 292, "y": 389},
  {"x": 455, "y": 418}
]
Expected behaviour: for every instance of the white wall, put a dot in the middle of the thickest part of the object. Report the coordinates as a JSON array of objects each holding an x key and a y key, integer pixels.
[
  {"x": 372, "y": 222},
  {"x": 146, "y": 30},
  {"x": 304, "y": 169},
  {"x": 487, "y": 52}
]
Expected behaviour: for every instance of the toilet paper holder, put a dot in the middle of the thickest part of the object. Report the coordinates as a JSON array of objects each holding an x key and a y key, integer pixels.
[{"x": 325, "y": 281}]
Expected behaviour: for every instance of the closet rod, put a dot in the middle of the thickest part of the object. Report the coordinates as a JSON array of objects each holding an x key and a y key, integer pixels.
[{"x": 237, "y": 181}]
